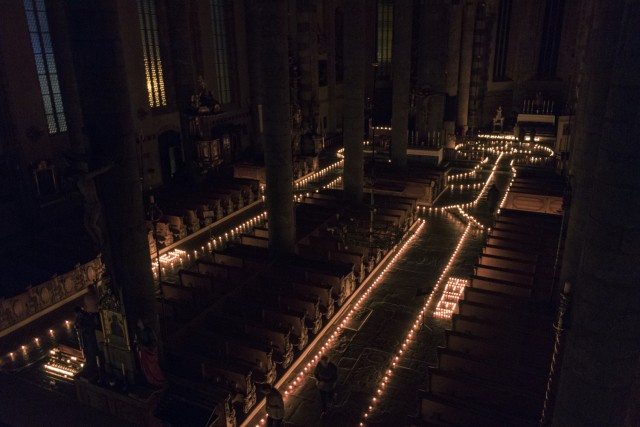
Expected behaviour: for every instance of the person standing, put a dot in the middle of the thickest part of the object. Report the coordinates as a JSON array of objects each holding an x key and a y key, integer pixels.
[
  {"x": 274, "y": 406},
  {"x": 326, "y": 374},
  {"x": 86, "y": 327},
  {"x": 91, "y": 305},
  {"x": 493, "y": 196},
  {"x": 147, "y": 346}
]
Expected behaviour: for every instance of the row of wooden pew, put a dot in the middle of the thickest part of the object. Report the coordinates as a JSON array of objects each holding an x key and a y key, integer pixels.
[
  {"x": 185, "y": 213},
  {"x": 493, "y": 368},
  {"x": 242, "y": 318}
]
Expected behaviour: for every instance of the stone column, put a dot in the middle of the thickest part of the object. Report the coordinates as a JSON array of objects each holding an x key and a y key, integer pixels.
[
  {"x": 184, "y": 73},
  {"x": 595, "y": 80},
  {"x": 274, "y": 57},
  {"x": 432, "y": 64},
  {"x": 255, "y": 77},
  {"x": 354, "y": 70},
  {"x": 453, "y": 66},
  {"x": 330, "y": 32},
  {"x": 466, "y": 58},
  {"x": 104, "y": 95},
  {"x": 600, "y": 365},
  {"x": 401, "y": 63},
  {"x": 307, "y": 48}
]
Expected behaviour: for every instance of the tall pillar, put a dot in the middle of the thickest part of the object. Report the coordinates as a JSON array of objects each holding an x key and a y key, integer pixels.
[
  {"x": 602, "y": 354},
  {"x": 256, "y": 83},
  {"x": 274, "y": 57},
  {"x": 307, "y": 48},
  {"x": 593, "y": 91},
  {"x": 453, "y": 66},
  {"x": 330, "y": 32},
  {"x": 354, "y": 69},
  {"x": 182, "y": 61},
  {"x": 432, "y": 63},
  {"x": 104, "y": 94},
  {"x": 466, "y": 58},
  {"x": 401, "y": 63}
]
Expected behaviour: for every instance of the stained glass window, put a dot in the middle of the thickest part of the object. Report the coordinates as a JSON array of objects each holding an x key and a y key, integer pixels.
[
  {"x": 151, "y": 51},
  {"x": 221, "y": 16},
  {"x": 45, "y": 65},
  {"x": 385, "y": 36}
]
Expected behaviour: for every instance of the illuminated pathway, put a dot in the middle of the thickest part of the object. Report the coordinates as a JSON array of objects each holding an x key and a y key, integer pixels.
[{"x": 365, "y": 348}]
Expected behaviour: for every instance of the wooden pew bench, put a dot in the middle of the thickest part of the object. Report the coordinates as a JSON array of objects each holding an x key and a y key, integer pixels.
[
  {"x": 337, "y": 274},
  {"x": 539, "y": 333},
  {"x": 211, "y": 288},
  {"x": 216, "y": 204},
  {"x": 316, "y": 291},
  {"x": 488, "y": 370},
  {"x": 538, "y": 345},
  {"x": 500, "y": 299},
  {"x": 273, "y": 317},
  {"x": 286, "y": 301},
  {"x": 403, "y": 216},
  {"x": 187, "y": 402},
  {"x": 251, "y": 258},
  {"x": 517, "y": 243},
  {"x": 512, "y": 253},
  {"x": 261, "y": 232},
  {"x": 459, "y": 413},
  {"x": 515, "y": 289},
  {"x": 176, "y": 223},
  {"x": 322, "y": 292},
  {"x": 237, "y": 349},
  {"x": 247, "y": 239},
  {"x": 190, "y": 297},
  {"x": 507, "y": 263},
  {"x": 501, "y": 398},
  {"x": 277, "y": 338},
  {"x": 221, "y": 271},
  {"x": 236, "y": 193},
  {"x": 521, "y": 350},
  {"x": 504, "y": 274},
  {"x": 235, "y": 379},
  {"x": 225, "y": 199}
]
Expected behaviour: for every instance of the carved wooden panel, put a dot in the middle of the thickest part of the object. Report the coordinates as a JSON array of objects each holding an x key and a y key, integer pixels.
[{"x": 534, "y": 203}]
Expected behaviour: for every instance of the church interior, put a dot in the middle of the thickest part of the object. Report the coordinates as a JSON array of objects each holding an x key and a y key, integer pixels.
[{"x": 224, "y": 213}]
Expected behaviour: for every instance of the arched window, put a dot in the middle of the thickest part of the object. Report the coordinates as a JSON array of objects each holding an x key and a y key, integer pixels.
[
  {"x": 151, "y": 50},
  {"x": 45, "y": 65}
]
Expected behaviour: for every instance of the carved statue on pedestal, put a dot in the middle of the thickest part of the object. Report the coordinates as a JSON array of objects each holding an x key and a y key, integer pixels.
[{"x": 498, "y": 120}]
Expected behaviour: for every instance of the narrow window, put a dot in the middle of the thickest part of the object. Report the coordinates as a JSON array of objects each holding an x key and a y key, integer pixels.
[
  {"x": 550, "y": 43},
  {"x": 222, "y": 18},
  {"x": 151, "y": 50},
  {"x": 339, "y": 19},
  {"x": 45, "y": 65},
  {"x": 502, "y": 41},
  {"x": 384, "y": 37}
]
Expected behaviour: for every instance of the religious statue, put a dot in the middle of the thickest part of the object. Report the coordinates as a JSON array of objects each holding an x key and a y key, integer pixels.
[
  {"x": 91, "y": 203},
  {"x": 148, "y": 355},
  {"x": 498, "y": 120},
  {"x": 202, "y": 100}
]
